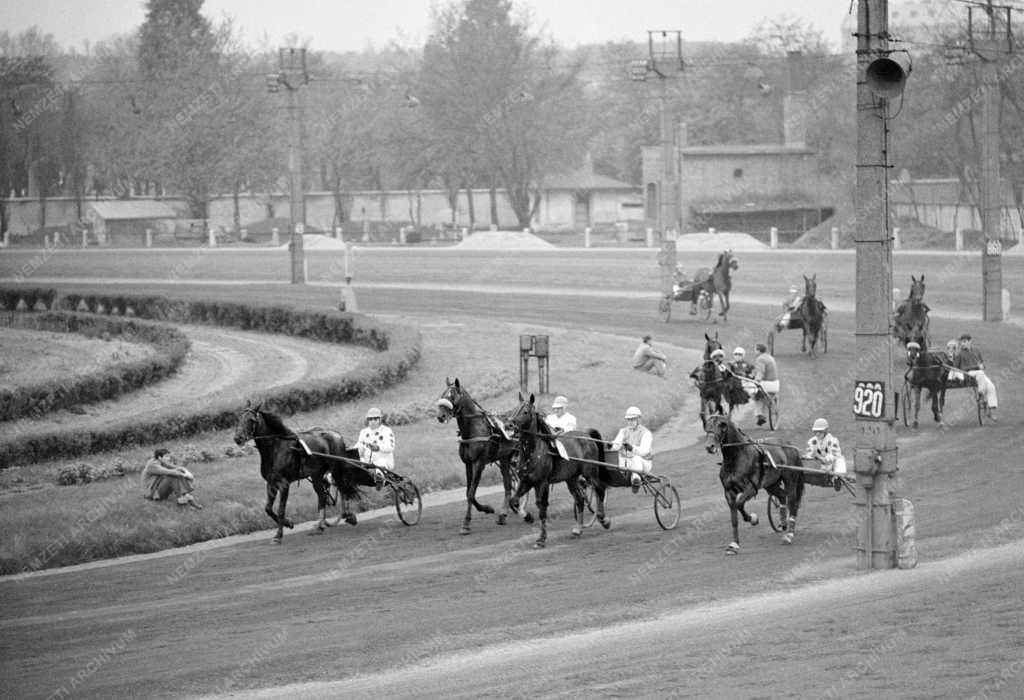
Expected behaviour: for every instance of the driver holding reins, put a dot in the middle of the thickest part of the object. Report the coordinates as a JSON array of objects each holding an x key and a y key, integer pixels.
[{"x": 376, "y": 444}]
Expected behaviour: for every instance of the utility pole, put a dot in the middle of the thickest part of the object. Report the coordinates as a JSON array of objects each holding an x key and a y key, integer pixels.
[
  {"x": 293, "y": 75},
  {"x": 665, "y": 60},
  {"x": 988, "y": 43},
  {"x": 881, "y": 75}
]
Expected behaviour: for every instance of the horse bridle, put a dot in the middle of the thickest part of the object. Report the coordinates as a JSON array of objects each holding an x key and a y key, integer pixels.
[{"x": 256, "y": 414}]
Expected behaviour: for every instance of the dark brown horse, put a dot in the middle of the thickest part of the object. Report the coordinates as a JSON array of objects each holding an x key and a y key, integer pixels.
[
  {"x": 540, "y": 465},
  {"x": 719, "y": 283},
  {"x": 928, "y": 371},
  {"x": 748, "y": 466},
  {"x": 811, "y": 313},
  {"x": 481, "y": 442},
  {"x": 910, "y": 322},
  {"x": 285, "y": 457},
  {"x": 718, "y": 389}
]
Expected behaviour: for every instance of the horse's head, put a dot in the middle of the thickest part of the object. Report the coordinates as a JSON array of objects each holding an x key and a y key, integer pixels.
[
  {"x": 249, "y": 421},
  {"x": 710, "y": 345},
  {"x": 525, "y": 420},
  {"x": 451, "y": 401},
  {"x": 811, "y": 285},
  {"x": 916, "y": 290},
  {"x": 731, "y": 263},
  {"x": 716, "y": 429}
]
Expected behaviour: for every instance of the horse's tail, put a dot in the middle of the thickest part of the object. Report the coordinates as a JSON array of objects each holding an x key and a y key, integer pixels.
[{"x": 602, "y": 472}]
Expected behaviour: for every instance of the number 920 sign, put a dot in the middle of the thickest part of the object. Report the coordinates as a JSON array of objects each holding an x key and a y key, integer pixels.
[{"x": 869, "y": 399}]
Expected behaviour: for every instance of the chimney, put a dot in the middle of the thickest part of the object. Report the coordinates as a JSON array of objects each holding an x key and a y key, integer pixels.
[{"x": 794, "y": 102}]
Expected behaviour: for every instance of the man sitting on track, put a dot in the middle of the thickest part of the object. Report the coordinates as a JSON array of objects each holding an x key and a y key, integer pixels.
[
  {"x": 635, "y": 445},
  {"x": 970, "y": 362},
  {"x": 376, "y": 443},
  {"x": 823, "y": 447}
]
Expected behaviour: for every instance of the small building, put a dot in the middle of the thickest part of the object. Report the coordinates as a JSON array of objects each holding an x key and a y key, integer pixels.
[
  {"x": 123, "y": 222},
  {"x": 576, "y": 200}
]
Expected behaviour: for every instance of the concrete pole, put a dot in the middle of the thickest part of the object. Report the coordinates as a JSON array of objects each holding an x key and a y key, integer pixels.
[
  {"x": 773, "y": 237},
  {"x": 896, "y": 238},
  {"x": 958, "y": 238},
  {"x": 297, "y": 208},
  {"x": 666, "y": 212},
  {"x": 991, "y": 195},
  {"x": 149, "y": 238},
  {"x": 873, "y": 400},
  {"x": 586, "y": 237}
]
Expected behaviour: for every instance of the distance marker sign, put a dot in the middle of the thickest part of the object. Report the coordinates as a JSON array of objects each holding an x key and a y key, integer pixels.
[{"x": 869, "y": 399}]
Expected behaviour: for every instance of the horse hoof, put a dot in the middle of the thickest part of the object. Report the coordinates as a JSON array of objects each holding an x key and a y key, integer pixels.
[
  {"x": 606, "y": 523},
  {"x": 576, "y": 532},
  {"x": 914, "y": 426},
  {"x": 316, "y": 531},
  {"x": 276, "y": 540},
  {"x": 528, "y": 518},
  {"x": 288, "y": 524},
  {"x": 502, "y": 518},
  {"x": 753, "y": 519},
  {"x": 733, "y": 548},
  {"x": 787, "y": 538},
  {"x": 465, "y": 530},
  {"x": 539, "y": 544},
  {"x": 350, "y": 519},
  {"x": 486, "y": 509}
]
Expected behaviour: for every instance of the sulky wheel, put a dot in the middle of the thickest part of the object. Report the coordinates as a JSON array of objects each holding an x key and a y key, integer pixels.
[
  {"x": 824, "y": 335},
  {"x": 705, "y": 305},
  {"x": 407, "y": 502},
  {"x": 665, "y": 309},
  {"x": 666, "y": 506},
  {"x": 776, "y": 518}
]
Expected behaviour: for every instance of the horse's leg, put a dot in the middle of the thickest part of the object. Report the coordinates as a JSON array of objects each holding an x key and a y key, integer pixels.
[
  {"x": 916, "y": 391},
  {"x": 470, "y": 498},
  {"x": 579, "y": 503},
  {"x": 542, "y": 491},
  {"x": 794, "y": 494},
  {"x": 803, "y": 340},
  {"x": 599, "y": 494},
  {"x": 749, "y": 491},
  {"x": 506, "y": 481},
  {"x": 271, "y": 497},
  {"x": 282, "y": 505},
  {"x": 321, "y": 505},
  {"x": 730, "y": 499}
]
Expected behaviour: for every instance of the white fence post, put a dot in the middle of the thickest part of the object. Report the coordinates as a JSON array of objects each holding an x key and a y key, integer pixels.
[
  {"x": 149, "y": 238},
  {"x": 896, "y": 238},
  {"x": 586, "y": 237},
  {"x": 212, "y": 237},
  {"x": 959, "y": 239},
  {"x": 275, "y": 237},
  {"x": 773, "y": 237},
  {"x": 835, "y": 237}
]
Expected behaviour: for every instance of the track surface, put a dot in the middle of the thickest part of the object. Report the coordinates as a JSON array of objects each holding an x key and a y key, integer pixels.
[{"x": 388, "y": 611}]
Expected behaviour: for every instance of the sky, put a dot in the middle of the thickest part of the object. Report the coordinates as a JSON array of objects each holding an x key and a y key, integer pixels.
[{"x": 353, "y": 25}]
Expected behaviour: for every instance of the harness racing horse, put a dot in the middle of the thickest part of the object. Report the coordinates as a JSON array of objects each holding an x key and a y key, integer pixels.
[
  {"x": 720, "y": 281},
  {"x": 812, "y": 313},
  {"x": 540, "y": 465},
  {"x": 748, "y": 466},
  {"x": 926, "y": 370},
  {"x": 481, "y": 442},
  {"x": 717, "y": 389},
  {"x": 910, "y": 322},
  {"x": 284, "y": 458}
]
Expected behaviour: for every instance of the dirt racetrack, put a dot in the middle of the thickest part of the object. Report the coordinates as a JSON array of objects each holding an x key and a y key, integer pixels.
[{"x": 383, "y": 610}]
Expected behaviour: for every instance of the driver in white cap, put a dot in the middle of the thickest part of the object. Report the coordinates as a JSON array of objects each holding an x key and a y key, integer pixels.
[
  {"x": 791, "y": 304},
  {"x": 376, "y": 444},
  {"x": 559, "y": 420},
  {"x": 635, "y": 445},
  {"x": 823, "y": 447}
]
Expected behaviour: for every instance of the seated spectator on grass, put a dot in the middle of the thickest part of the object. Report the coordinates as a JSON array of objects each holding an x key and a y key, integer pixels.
[{"x": 161, "y": 479}]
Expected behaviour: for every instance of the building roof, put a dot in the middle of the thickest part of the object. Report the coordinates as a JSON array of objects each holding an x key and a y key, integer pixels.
[
  {"x": 755, "y": 203},
  {"x": 585, "y": 179},
  {"x": 747, "y": 149},
  {"x": 122, "y": 209}
]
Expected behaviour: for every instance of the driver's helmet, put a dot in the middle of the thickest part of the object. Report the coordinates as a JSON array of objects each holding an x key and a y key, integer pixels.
[
  {"x": 793, "y": 289},
  {"x": 560, "y": 402},
  {"x": 374, "y": 413},
  {"x": 820, "y": 424},
  {"x": 913, "y": 345},
  {"x": 739, "y": 352},
  {"x": 633, "y": 412},
  {"x": 718, "y": 354}
]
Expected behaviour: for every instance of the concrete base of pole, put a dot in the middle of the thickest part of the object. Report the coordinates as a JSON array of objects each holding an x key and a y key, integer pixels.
[{"x": 347, "y": 302}]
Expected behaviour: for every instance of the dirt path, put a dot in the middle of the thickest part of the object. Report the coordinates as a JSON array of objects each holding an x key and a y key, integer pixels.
[{"x": 222, "y": 365}]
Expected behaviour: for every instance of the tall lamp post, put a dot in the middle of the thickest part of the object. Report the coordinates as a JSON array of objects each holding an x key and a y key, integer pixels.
[{"x": 292, "y": 76}]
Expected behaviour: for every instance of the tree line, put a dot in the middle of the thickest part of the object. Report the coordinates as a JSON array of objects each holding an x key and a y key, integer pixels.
[{"x": 180, "y": 107}]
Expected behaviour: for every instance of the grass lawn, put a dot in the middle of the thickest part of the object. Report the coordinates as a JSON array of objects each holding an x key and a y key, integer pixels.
[{"x": 47, "y": 525}]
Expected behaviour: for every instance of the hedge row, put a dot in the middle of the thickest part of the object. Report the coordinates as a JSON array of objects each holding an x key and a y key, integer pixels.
[
  {"x": 96, "y": 382},
  {"x": 399, "y": 349},
  {"x": 11, "y": 297}
]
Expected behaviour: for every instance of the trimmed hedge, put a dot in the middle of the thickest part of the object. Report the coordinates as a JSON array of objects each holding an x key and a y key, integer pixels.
[
  {"x": 398, "y": 350},
  {"x": 10, "y": 297},
  {"x": 96, "y": 383}
]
